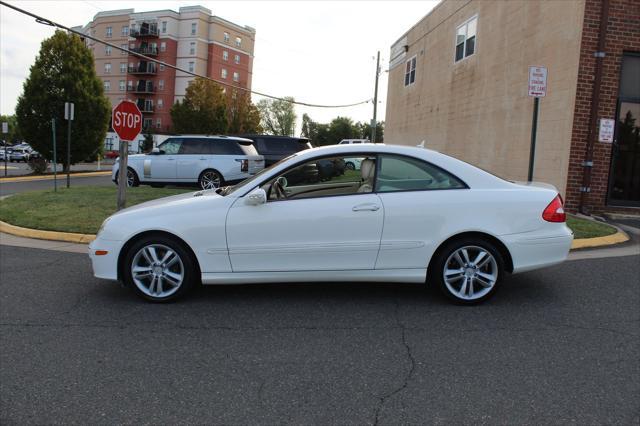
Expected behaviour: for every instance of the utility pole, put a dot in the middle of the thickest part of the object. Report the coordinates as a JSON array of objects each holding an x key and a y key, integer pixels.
[
  {"x": 55, "y": 157},
  {"x": 68, "y": 115},
  {"x": 374, "y": 122}
]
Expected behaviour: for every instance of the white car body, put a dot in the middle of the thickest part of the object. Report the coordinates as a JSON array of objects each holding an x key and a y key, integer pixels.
[
  {"x": 185, "y": 168},
  {"x": 360, "y": 237}
]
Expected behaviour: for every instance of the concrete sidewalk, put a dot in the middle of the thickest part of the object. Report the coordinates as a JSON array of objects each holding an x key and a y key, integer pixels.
[{"x": 12, "y": 240}]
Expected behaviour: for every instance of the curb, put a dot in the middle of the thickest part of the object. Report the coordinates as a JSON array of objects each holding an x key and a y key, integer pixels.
[
  {"x": 50, "y": 177},
  {"x": 45, "y": 235},
  {"x": 619, "y": 237}
]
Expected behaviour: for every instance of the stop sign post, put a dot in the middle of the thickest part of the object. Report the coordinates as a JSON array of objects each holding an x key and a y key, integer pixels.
[{"x": 126, "y": 121}]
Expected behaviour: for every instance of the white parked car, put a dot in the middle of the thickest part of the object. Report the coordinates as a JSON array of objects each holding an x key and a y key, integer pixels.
[
  {"x": 351, "y": 141},
  {"x": 209, "y": 161},
  {"x": 411, "y": 215}
]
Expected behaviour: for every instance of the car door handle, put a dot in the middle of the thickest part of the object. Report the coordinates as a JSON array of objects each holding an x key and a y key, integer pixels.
[
  {"x": 170, "y": 159},
  {"x": 366, "y": 208},
  {"x": 203, "y": 158}
]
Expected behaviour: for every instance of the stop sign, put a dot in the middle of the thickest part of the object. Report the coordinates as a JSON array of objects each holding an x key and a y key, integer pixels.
[{"x": 126, "y": 120}]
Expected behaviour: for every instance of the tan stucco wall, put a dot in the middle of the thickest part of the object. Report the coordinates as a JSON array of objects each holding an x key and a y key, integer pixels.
[{"x": 477, "y": 109}]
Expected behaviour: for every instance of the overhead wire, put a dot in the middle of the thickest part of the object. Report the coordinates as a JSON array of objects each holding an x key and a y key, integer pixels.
[{"x": 45, "y": 21}]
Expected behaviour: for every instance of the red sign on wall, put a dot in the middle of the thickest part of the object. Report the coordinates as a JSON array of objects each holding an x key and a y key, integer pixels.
[{"x": 126, "y": 120}]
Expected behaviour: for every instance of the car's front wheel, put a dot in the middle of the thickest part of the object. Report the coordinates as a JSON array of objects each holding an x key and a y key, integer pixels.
[
  {"x": 350, "y": 166},
  {"x": 132, "y": 178},
  {"x": 159, "y": 269},
  {"x": 210, "y": 179},
  {"x": 468, "y": 271}
]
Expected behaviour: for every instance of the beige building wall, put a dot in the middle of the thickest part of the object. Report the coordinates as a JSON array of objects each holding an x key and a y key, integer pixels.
[{"x": 477, "y": 109}]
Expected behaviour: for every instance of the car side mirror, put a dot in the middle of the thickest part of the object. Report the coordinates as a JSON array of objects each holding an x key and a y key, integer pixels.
[
  {"x": 256, "y": 197},
  {"x": 156, "y": 151}
]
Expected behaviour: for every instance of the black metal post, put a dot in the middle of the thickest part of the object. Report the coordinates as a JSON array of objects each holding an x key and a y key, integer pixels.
[
  {"x": 69, "y": 152},
  {"x": 534, "y": 131}
]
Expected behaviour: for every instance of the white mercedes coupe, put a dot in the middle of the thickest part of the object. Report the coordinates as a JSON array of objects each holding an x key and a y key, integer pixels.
[{"x": 408, "y": 215}]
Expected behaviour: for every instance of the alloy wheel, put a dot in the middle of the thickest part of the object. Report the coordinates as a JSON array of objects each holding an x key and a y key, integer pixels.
[
  {"x": 157, "y": 271},
  {"x": 210, "y": 180},
  {"x": 470, "y": 272}
]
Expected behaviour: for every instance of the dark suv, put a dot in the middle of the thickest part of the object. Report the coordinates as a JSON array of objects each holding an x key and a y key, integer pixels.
[{"x": 275, "y": 148}]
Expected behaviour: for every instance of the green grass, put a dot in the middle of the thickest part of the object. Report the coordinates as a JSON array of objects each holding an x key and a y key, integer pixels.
[
  {"x": 82, "y": 209},
  {"x": 77, "y": 209},
  {"x": 584, "y": 228}
]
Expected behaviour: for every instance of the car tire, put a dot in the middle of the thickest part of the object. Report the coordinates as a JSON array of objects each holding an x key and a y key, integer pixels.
[
  {"x": 132, "y": 178},
  {"x": 350, "y": 166},
  {"x": 468, "y": 271},
  {"x": 210, "y": 179},
  {"x": 165, "y": 268}
]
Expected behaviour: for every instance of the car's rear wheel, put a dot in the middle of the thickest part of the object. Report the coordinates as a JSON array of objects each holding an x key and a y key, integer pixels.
[
  {"x": 159, "y": 269},
  {"x": 350, "y": 166},
  {"x": 468, "y": 271},
  {"x": 210, "y": 179}
]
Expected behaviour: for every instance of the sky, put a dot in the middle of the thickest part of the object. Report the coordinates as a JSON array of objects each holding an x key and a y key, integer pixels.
[{"x": 320, "y": 52}]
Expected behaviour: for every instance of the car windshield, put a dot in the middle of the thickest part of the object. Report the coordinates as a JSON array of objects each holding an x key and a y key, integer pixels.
[{"x": 231, "y": 189}]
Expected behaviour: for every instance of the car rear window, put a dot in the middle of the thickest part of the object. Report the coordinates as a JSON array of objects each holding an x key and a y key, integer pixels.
[{"x": 280, "y": 146}]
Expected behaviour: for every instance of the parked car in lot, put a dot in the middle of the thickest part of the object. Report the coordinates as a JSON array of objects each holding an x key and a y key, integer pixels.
[
  {"x": 445, "y": 222},
  {"x": 19, "y": 153},
  {"x": 352, "y": 163},
  {"x": 274, "y": 148},
  {"x": 209, "y": 161}
]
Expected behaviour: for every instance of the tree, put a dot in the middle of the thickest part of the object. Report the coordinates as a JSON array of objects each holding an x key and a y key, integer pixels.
[
  {"x": 203, "y": 110},
  {"x": 63, "y": 72},
  {"x": 243, "y": 117},
  {"x": 278, "y": 116},
  {"x": 14, "y": 134},
  {"x": 147, "y": 142},
  {"x": 364, "y": 131},
  {"x": 341, "y": 128}
]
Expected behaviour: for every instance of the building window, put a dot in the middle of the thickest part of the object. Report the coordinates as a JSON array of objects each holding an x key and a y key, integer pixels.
[
  {"x": 410, "y": 72},
  {"x": 223, "y": 73},
  {"x": 124, "y": 47},
  {"x": 238, "y": 42},
  {"x": 147, "y": 123},
  {"x": 225, "y": 55},
  {"x": 161, "y": 66},
  {"x": 160, "y": 103},
  {"x": 236, "y": 76},
  {"x": 107, "y": 86},
  {"x": 466, "y": 39},
  {"x": 108, "y": 144},
  {"x": 109, "y": 32},
  {"x": 194, "y": 27},
  {"x": 161, "y": 84},
  {"x": 237, "y": 59},
  {"x": 226, "y": 37},
  {"x": 192, "y": 48},
  {"x": 158, "y": 123},
  {"x": 164, "y": 27},
  {"x": 107, "y": 51},
  {"x": 123, "y": 67},
  {"x": 163, "y": 46},
  {"x": 107, "y": 68},
  {"x": 122, "y": 85},
  {"x": 125, "y": 30},
  {"x": 191, "y": 66}
]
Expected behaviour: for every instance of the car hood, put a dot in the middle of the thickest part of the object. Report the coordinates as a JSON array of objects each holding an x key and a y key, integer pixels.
[{"x": 170, "y": 202}]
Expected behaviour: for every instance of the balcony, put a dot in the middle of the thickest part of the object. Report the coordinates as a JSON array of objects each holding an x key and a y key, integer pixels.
[
  {"x": 145, "y": 50},
  {"x": 145, "y": 106},
  {"x": 146, "y": 30},
  {"x": 142, "y": 88},
  {"x": 144, "y": 68}
]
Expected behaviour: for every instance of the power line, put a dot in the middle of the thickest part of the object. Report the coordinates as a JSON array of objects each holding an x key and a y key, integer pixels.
[{"x": 45, "y": 21}]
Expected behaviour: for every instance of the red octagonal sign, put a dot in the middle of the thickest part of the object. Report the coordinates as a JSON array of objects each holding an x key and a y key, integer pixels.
[{"x": 126, "y": 120}]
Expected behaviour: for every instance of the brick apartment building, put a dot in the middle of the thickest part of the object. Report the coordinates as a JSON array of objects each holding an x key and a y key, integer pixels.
[
  {"x": 458, "y": 81},
  {"x": 192, "y": 39}
]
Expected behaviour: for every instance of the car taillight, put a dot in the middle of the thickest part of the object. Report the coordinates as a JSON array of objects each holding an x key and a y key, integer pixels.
[
  {"x": 555, "y": 211},
  {"x": 244, "y": 166}
]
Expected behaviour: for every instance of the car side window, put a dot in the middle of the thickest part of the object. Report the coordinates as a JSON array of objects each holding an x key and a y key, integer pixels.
[
  {"x": 223, "y": 147},
  {"x": 324, "y": 177},
  {"x": 171, "y": 146},
  {"x": 398, "y": 173},
  {"x": 193, "y": 147}
]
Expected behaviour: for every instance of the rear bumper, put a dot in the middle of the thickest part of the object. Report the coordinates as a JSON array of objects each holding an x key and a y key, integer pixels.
[{"x": 536, "y": 250}]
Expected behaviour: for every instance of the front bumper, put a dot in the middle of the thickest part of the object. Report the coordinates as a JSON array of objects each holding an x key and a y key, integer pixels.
[{"x": 105, "y": 266}]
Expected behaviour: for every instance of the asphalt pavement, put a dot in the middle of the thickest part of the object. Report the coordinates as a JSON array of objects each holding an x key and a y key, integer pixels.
[{"x": 555, "y": 346}]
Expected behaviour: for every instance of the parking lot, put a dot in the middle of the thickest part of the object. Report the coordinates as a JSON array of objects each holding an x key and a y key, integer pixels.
[{"x": 559, "y": 345}]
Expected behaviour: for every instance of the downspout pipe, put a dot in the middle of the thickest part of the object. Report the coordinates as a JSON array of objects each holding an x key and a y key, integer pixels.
[{"x": 595, "y": 104}]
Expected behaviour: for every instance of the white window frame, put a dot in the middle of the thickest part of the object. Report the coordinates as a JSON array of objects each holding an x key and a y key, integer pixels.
[
  {"x": 163, "y": 46},
  {"x": 122, "y": 85},
  {"x": 160, "y": 84},
  {"x": 124, "y": 46},
  {"x": 192, "y": 66},
  {"x": 226, "y": 37},
  {"x": 158, "y": 123},
  {"x": 106, "y": 85},
  {"x": 125, "y": 30},
  {"x": 223, "y": 73},
  {"x": 123, "y": 67},
  {"x": 413, "y": 59},
  {"x": 108, "y": 32},
  {"x": 194, "y": 28},
  {"x": 164, "y": 27},
  {"x": 161, "y": 67},
  {"x": 466, "y": 38},
  {"x": 225, "y": 55},
  {"x": 107, "y": 51},
  {"x": 236, "y": 76},
  {"x": 238, "y": 42},
  {"x": 107, "y": 68},
  {"x": 236, "y": 59},
  {"x": 192, "y": 48},
  {"x": 160, "y": 104}
]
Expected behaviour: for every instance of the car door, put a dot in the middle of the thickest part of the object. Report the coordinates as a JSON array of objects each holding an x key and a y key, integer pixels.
[
  {"x": 162, "y": 167},
  {"x": 192, "y": 159},
  {"x": 328, "y": 225}
]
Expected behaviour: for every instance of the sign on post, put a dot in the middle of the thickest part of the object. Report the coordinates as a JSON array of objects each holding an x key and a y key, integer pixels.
[
  {"x": 538, "y": 82},
  {"x": 126, "y": 121},
  {"x": 5, "y": 127},
  {"x": 607, "y": 127}
]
